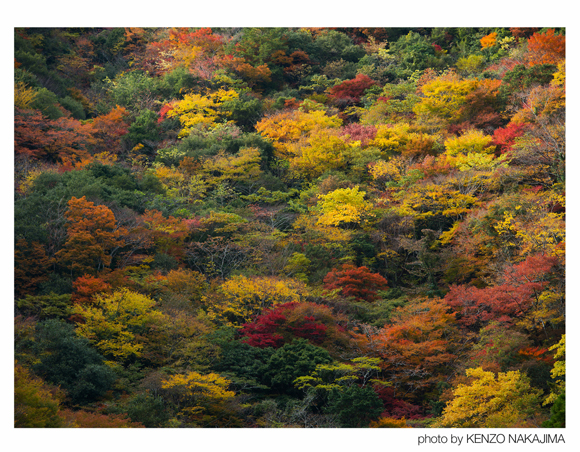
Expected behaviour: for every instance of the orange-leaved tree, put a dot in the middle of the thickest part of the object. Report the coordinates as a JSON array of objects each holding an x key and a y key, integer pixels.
[
  {"x": 546, "y": 48},
  {"x": 418, "y": 347},
  {"x": 92, "y": 237}
]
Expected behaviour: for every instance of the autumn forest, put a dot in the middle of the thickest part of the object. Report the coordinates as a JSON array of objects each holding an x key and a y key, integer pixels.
[{"x": 289, "y": 227}]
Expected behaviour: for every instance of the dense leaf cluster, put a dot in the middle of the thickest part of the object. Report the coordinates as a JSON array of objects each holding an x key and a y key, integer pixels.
[{"x": 289, "y": 227}]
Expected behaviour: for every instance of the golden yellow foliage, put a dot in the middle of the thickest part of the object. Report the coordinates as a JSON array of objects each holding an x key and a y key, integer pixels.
[
  {"x": 243, "y": 298},
  {"x": 200, "y": 109},
  {"x": 427, "y": 200},
  {"x": 114, "y": 323},
  {"x": 474, "y": 141},
  {"x": 286, "y": 128},
  {"x": 444, "y": 97},
  {"x": 491, "y": 402},
  {"x": 26, "y": 185},
  {"x": 391, "y": 170},
  {"x": 244, "y": 166},
  {"x": 195, "y": 385},
  {"x": 560, "y": 75},
  {"x": 389, "y": 422},
  {"x": 559, "y": 370},
  {"x": 194, "y": 393},
  {"x": 24, "y": 96},
  {"x": 343, "y": 206}
]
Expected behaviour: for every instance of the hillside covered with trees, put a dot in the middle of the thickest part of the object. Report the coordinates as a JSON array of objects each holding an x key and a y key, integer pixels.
[{"x": 289, "y": 227}]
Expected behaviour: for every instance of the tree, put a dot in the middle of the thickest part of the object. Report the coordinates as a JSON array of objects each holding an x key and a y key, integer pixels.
[
  {"x": 45, "y": 306},
  {"x": 472, "y": 150},
  {"x": 287, "y": 127},
  {"x": 291, "y": 361},
  {"x": 31, "y": 266},
  {"x": 558, "y": 372},
  {"x": 504, "y": 137},
  {"x": 433, "y": 206},
  {"x": 168, "y": 234},
  {"x": 418, "y": 346},
  {"x": 24, "y": 96},
  {"x": 105, "y": 131},
  {"x": 488, "y": 40},
  {"x": 444, "y": 97},
  {"x": 355, "y": 282},
  {"x": 187, "y": 284},
  {"x": 195, "y": 394},
  {"x": 240, "y": 169},
  {"x": 200, "y": 109},
  {"x": 343, "y": 206},
  {"x": 403, "y": 138},
  {"x": 355, "y": 407},
  {"x": 322, "y": 150},
  {"x": 148, "y": 410},
  {"x": 86, "y": 287},
  {"x": 558, "y": 413},
  {"x": 546, "y": 48},
  {"x": 36, "y": 405},
  {"x": 92, "y": 235},
  {"x": 387, "y": 422},
  {"x": 67, "y": 360},
  {"x": 181, "y": 338},
  {"x": 87, "y": 419},
  {"x": 198, "y": 51},
  {"x": 490, "y": 401},
  {"x": 350, "y": 91},
  {"x": 397, "y": 408},
  {"x": 281, "y": 324},
  {"x": 243, "y": 299},
  {"x": 117, "y": 324},
  {"x": 507, "y": 301},
  {"x": 61, "y": 141},
  {"x": 328, "y": 378}
]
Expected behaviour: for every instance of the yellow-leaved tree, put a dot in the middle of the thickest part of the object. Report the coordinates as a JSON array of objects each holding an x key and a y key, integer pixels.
[
  {"x": 472, "y": 150},
  {"x": 322, "y": 150},
  {"x": 507, "y": 400},
  {"x": 200, "y": 109},
  {"x": 428, "y": 200},
  {"x": 117, "y": 324},
  {"x": 286, "y": 128},
  {"x": 558, "y": 371},
  {"x": 443, "y": 98},
  {"x": 242, "y": 167},
  {"x": 195, "y": 394},
  {"x": 240, "y": 299},
  {"x": 343, "y": 206}
]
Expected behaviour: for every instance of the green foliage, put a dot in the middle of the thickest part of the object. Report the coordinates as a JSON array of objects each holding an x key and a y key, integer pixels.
[
  {"x": 144, "y": 127},
  {"x": 69, "y": 361},
  {"x": 332, "y": 45},
  {"x": 291, "y": 361},
  {"x": 45, "y": 306},
  {"x": 131, "y": 90},
  {"x": 173, "y": 83},
  {"x": 148, "y": 410},
  {"x": 74, "y": 106},
  {"x": 47, "y": 102},
  {"x": 243, "y": 363},
  {"x": 557, "y": 413},
  {"x": 355, "y": 407},
  {"x": 245, "y": 111},
  {"x": 414, "y": 53}
]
